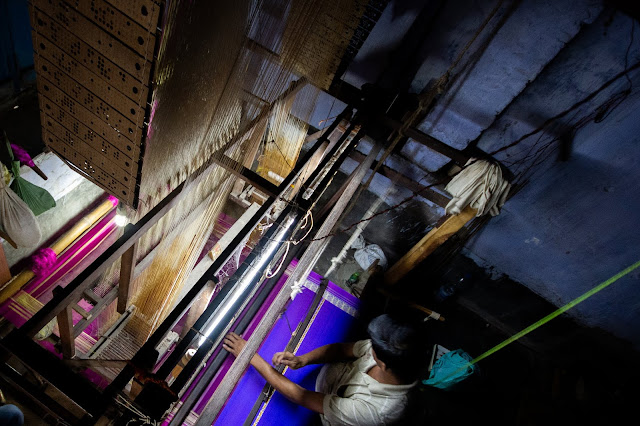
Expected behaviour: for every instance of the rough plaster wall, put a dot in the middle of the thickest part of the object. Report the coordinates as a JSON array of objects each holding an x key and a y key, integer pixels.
[
  {"x": 514, "y": 48},
  {"x": 525, "y": 41},
  {"x": 578, "y": 226},
  {"x": 576, "y": 223}
]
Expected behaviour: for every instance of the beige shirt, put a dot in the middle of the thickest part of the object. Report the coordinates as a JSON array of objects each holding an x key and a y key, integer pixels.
[{"x": 355, "y": 398}]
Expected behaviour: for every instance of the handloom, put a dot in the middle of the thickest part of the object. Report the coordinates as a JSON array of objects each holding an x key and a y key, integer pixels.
[{"x": 167, "y": 136}]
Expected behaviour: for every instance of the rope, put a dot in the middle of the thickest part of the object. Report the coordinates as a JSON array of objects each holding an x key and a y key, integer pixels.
[{"x": 546, "y": 319}]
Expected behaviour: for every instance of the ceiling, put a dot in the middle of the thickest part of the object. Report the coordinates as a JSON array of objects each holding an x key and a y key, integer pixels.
[{"x": 543, "y": 89}]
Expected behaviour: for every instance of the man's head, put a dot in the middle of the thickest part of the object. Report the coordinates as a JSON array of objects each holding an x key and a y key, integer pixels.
[{"x": 395, "y": 344}]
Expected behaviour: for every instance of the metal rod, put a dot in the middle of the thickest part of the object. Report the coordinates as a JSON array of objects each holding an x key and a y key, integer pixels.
[{"x": 196, "y": 330}]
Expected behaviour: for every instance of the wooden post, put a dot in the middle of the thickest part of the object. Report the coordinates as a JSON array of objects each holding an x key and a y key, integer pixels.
[
  {"x": 65, "y": 327},
  {"x": 436, "y": 237},
  {"x": 5, "y": 274},
  {"x": 127, "y": 265}
]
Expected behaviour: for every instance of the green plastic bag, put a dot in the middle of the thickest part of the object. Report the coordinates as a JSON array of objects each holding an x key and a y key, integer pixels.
[{"x": 38, "y": 199}]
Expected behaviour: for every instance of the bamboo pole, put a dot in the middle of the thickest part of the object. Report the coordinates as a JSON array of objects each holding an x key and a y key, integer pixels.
[{"x": 20, "y": 280}]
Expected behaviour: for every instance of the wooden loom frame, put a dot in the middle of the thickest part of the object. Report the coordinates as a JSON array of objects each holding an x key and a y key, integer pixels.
[{"x": 20, "y": 343}]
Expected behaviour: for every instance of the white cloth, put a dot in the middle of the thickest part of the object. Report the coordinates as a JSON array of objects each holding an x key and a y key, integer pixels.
[
  {"x": 479, "y": 185},
  {"x": 17, "y": 219},
  {"x": 367, "y": 255},
  {"x": 296, "y": 289},
  {"x": 355, "y": 398}
]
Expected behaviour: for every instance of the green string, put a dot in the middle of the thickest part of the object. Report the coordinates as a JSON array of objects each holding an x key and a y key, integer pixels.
[{"x": 548, "y": 318}]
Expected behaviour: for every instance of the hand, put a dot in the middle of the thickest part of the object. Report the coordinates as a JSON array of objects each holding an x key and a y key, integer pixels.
[
  {"x": 233, "y": 343},
  {"x": 288, "y": 359}
]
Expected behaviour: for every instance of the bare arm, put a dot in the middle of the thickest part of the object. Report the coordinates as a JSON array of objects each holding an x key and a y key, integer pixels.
[
  {"x": 323, "y": 355},
  {"x": 292, "y": 391}
]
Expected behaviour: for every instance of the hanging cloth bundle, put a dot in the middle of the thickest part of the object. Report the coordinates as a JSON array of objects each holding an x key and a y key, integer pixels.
[
  {"x": 17, "y": 220},
  {"x": 38, "y": 199},
  {"x": 479, "y": 185}
]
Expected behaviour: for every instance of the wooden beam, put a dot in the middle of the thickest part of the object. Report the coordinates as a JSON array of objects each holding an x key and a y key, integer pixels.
[
  {"x": 91, "y": 296},
  {"x": 397, "y": 177},
  {"x": 255, "y": 98},
  {"x": 91, "y": 363},
  {"x": 95, "y": 311},
  {"x": 427, "y": 245},
  {"x": 127, "y": 265},
  {"x": 354, "y": 96},
  {"x": 79, "y": 309},
  {"x": 65, "y": 328},
  {"x": 251, "y": 177},
  {"x": 429, "y": 141}
]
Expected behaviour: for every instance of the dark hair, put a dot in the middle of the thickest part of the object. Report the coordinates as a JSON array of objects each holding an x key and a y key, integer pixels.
[{"x": 396, "y": 343}]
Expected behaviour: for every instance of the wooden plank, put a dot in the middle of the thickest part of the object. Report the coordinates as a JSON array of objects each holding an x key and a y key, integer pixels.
[
  {"x": 127, "y": 265},
  {"x": 5, "y": 273},
  {"x": 427, "y": 245},
  {"x": 65, "y": 327}
]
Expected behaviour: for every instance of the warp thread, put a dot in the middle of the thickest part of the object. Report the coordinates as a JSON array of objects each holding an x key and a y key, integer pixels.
[{"x": 43, "y": 261}]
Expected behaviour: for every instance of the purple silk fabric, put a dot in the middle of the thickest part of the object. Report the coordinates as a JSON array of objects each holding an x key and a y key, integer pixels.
[{"x": 331, "y": 324}]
